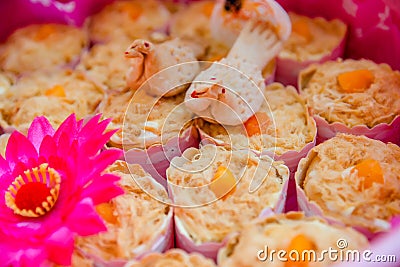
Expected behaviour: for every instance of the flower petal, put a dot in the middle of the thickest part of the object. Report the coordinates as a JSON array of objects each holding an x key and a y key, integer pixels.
[
  {"x": 48, "y": 147},
  {"x": 96, "y": 143},
  {"x": 64, "y": 145},
  {"x": 19, "y": 253},
  {"x": 4, "y": 167},
  {"x": 74, "y": 151},
  {"x": 84, "y": 219},
  {"x": 90, "y": 126},
  {"x": 60, "y": 246},
  {"x": 92, "y": 137},
  {"x": 31, "y": 257},
  {"x": 101, "y": 162},
  {"x": 6, "y": 214},
  {"x": 19, "y": 149},
  {"x": 93, "y": 126},
  {"x": 103, "y": 189},
  {"x": 21, "y": 166},
  {"x": 67, "y": 128},
  {"x": 39, "y": 128}
]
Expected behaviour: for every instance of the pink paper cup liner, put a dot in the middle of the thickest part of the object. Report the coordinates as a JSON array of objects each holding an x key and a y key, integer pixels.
[
  {"x": 183, "y": 241},
  {"x": 156, "y": 159},
  {"x": 291, "y": 158},
  {"x": 291, "y": 201},
  {"x": 383, "y": 132},
  {"x": 270, "y": 74},
  {"x": 287, "y": 70},
  {"x": 311, "y": 208}
]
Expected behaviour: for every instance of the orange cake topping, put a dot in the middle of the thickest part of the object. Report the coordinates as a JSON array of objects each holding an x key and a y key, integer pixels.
[
  {"x": 105, "y": 210},
  {"x": 355, "y": 81},
  {"x": 370, "y": 171},
  {"x": 57, "y": 90},
  {"x": 257, "y": 124},
  {"x": 208, "y": 9},
  {"x": 300, "y": 27},
  {"x": 134, "y": 10},
  {"x": 223, "y": 183},
  {"x": 44, "y": 31},
  {"x": 299, "y": 243}
]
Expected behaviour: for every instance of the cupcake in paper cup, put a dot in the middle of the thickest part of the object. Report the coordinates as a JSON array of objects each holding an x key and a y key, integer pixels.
[
  {"x": 130, "y": 19},
  {"x": 312, "y": 40},
  {"x": 352, "y": 180},
  {"x": 54, "y": 94},
  {"x": 215, "y": 191},
  {"x": 296, "y": 241},
  {"x": 138, "y": 222},
  {"x": 353, "y": 96},
  {"x": 43, "y": 46},
  {"x": 172, "y": 258},
  {"x": 282, "y": 128},
  {"x": 153, "y": 130}
]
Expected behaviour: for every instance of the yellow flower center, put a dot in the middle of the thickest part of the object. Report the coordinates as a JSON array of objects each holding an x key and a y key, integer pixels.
[{"x": 35, "y": 192}]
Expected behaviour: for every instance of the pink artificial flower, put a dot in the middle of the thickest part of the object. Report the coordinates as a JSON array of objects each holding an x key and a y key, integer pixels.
[{"x": 50, "y": 183}]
